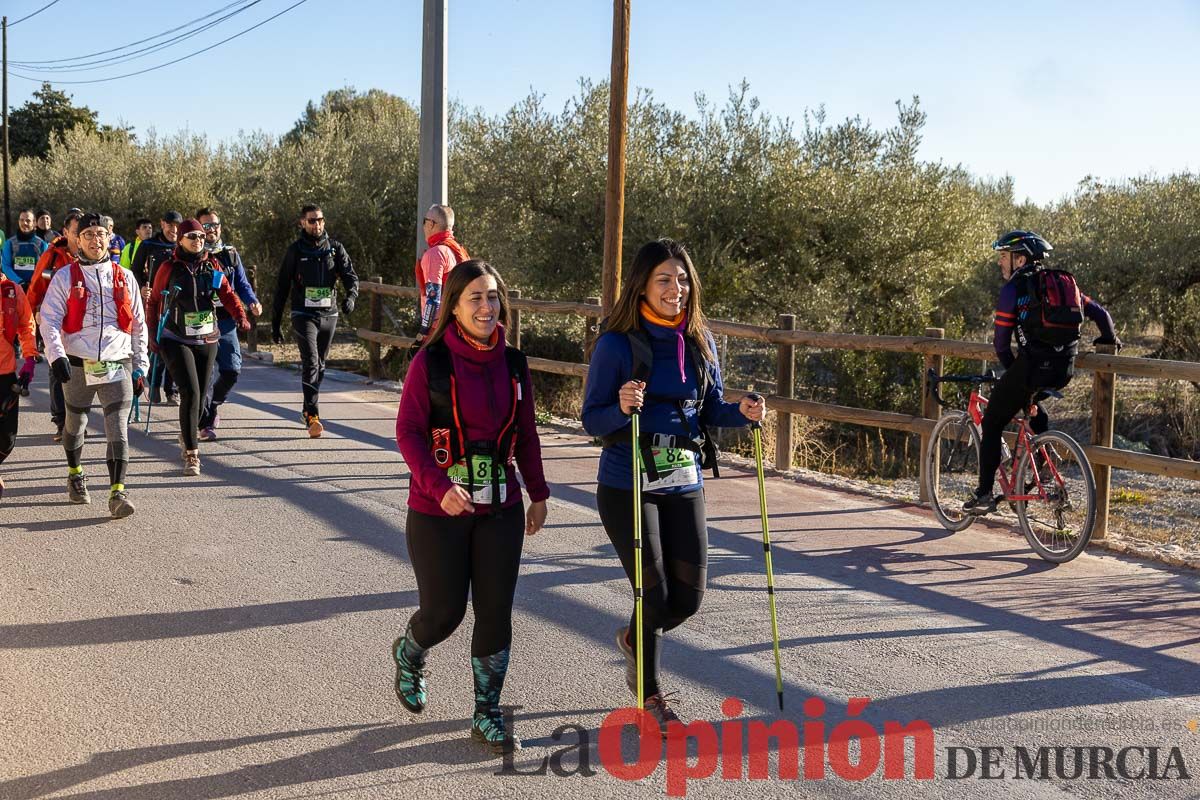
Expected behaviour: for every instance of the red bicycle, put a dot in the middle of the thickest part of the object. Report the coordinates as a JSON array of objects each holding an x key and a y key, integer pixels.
[{"x": 1046, "y": 479}]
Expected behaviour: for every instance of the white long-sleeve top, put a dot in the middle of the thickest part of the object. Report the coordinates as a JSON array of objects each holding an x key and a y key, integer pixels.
[{"x": 99, "y": 339}]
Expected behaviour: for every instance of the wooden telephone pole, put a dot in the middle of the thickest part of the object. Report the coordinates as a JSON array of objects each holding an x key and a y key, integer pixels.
[{"x": 614, "y": 199}]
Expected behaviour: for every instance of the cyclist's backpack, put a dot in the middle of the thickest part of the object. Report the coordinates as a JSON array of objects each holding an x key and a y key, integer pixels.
[{"x": 1050, "y": 308}]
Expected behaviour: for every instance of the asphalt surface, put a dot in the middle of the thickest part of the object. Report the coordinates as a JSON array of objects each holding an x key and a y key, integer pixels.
[{"x": 231, "y": 637}]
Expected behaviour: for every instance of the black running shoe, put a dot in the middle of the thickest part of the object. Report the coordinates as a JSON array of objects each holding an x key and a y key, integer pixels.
[{"x": 980, "y": 503}]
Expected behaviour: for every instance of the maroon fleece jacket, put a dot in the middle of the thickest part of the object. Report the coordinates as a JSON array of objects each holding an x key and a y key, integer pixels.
[{"x": 485, "y": 402}]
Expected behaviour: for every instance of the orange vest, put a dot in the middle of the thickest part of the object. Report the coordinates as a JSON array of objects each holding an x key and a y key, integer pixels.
[
  {"x": 77, "y": 300},
  {"x": 8, "y": 308}
]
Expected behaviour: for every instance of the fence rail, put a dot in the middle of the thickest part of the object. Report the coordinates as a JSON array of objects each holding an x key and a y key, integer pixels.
[{"x": 1104, "y": 365}]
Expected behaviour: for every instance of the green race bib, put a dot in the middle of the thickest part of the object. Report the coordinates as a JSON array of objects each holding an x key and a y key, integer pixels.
[
  {"x": 96, "y": 373},
  {"x": 198, "y": 323},
  {"x": 317, "y": 297},
  {"x": 676, "y": 467},
  {"x": 480, "y": 473}
]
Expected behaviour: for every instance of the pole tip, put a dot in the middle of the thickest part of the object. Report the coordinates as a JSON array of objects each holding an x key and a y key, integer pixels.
[{"x": 780, "y": 700}]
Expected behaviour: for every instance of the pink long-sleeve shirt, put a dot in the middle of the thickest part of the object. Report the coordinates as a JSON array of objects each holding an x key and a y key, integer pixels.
[{"x": 485, "y": 403}]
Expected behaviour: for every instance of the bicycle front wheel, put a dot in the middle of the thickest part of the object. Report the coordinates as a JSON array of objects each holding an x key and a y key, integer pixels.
[
  {"x": 1058, "y": 522},
  {"x": 952, "y": 469}
]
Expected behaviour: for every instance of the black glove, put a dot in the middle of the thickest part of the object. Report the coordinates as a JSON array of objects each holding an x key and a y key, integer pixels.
[
  {"x": 347, "y": 305},
  {"x": 415, "y": 346},
  {"x": 276, "y": 335},
  {"x": 61, "y": 369},
  {"x": 1105, "y": 340}
]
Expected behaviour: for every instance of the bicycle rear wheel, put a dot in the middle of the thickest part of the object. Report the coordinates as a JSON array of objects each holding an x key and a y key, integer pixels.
[
  {"x": 952, "y": 469},
  {"x": 1058, "y": 525}
]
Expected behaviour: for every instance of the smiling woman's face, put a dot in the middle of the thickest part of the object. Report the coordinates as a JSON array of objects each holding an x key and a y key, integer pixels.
[
  {"x": 478, "y": 308},
  {"x": 668, "y": 287}
]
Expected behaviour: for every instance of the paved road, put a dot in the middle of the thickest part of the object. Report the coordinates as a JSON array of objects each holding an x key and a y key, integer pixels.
[{"x": 230, "y": 639}]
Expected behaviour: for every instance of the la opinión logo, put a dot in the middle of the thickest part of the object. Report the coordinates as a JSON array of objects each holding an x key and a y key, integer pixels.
[{"x": 740, "y": 749}]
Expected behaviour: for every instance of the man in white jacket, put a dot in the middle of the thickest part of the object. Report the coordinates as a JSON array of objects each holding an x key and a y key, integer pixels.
[{"x": 94, "y": 328}]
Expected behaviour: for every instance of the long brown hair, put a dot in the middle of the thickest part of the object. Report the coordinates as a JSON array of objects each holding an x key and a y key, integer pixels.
[
  {"x": 627, "y": 315},
  {"x": 456, "y": 283}
]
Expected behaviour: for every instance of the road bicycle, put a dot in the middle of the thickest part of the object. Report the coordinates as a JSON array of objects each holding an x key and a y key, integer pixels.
[{"x": 1045, "y": 479}]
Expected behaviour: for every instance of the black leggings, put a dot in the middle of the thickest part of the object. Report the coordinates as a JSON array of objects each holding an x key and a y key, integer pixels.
[
  {"x": 8, "y": 422},
  {"x": 674, "y": 561},
  {"x": 191, "y": 364},
  {"x": 1009, "y": 397},
  {"x": 453, "y": 555},
  {"x": 313, "y": 335}
]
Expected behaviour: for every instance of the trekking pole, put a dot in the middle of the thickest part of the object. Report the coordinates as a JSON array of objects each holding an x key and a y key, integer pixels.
[
  {"x": 766, "y": 535},
  {"x": 637, "y": 552},
  {"x": 162, "y": 320}
]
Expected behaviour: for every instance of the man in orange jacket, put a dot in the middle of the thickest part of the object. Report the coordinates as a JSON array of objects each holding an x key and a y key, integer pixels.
[
  {"x": 16, "y": 321},
  {"x": 61, "y": 252}
]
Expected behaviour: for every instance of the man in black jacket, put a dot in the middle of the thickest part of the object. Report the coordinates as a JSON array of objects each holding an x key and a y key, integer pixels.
[
  {"x": 308, "y": 279},
  {"x": 153, "y": 252}
]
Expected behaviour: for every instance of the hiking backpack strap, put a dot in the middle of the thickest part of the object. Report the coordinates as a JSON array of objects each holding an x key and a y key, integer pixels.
[{"x": 445, "y": 436}]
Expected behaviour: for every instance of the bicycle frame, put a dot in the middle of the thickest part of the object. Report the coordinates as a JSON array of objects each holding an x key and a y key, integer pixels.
[{"x": 976, "y": 406}]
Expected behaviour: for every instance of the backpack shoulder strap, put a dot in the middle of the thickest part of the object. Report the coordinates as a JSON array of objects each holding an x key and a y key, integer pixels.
[
  {"x": 701, "y": 367},
  {"x": 518, "y": 364},
  {"x": 441, "y": 371},
  {"x": 643, "y": 354}
]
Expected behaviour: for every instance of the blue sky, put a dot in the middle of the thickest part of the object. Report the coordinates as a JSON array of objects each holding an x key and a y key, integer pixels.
[{"x": 1046, "y": 92}]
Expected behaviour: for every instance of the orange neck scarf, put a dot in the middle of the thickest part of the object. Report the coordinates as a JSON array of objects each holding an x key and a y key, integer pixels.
[
  {"x": 649, "y": 315},
  {"x": 471, "y": 340}
]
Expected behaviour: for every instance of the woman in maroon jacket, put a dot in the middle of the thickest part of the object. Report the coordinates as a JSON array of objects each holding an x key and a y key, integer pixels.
[{"x": 466, "y": 412}]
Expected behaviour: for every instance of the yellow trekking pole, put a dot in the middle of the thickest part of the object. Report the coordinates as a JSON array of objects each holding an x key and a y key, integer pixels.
[
  {"x": 637, "y": 551},
  {"x": 766, "y": 534}
]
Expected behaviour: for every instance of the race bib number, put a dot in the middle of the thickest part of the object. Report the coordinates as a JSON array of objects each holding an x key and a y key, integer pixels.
[
  {"x": 198, "y": 323},
  {"x": 25, "y": 261},
  {"x": 480, "y": 473},
  {"x": 676, "y": 467},
  {"x": 101, "y": 372},
  {"x": 316, "y": 297}
]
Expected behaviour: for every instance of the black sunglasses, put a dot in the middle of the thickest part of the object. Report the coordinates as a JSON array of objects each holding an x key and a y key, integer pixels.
[
  {"x": 314, "y": 220},
  {"x": 209, "y": 226}
]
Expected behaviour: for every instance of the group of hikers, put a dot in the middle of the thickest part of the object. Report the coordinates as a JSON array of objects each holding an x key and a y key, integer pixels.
[{"x": 465, "y": 425}]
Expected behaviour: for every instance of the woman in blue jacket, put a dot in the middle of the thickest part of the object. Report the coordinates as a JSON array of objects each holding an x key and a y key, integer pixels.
[{"x": 657, "y": 354}]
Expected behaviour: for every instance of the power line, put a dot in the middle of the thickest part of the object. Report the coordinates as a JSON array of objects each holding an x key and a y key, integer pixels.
[
  {"x": 34, "y": 14},
  {"x": 176, "y": 61},
  {"x": 108, "y": 51},
  {"x": 113, "y": 60}
]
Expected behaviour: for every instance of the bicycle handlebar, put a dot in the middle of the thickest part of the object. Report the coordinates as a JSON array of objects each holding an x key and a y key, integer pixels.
[{"x": 935, "y": 379}]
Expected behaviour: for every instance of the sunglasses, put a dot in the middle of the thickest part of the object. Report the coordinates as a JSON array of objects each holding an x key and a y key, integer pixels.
[
  {"x": 314, "y": 220},
  {"x": 194, "y": 236},
  {"x": 211, "y": 226},
  {"x": 431, "y": 221}
]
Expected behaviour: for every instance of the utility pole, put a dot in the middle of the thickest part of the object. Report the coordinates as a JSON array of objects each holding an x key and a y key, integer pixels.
[
  {"x": 614, "y": 198},
  {"x": 431, "y": 169},
  {"x": 8, "y": 230}
]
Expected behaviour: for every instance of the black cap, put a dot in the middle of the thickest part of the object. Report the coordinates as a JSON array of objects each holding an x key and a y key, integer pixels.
[
  {"x": 172, "y": 216},
  {"x": 90, "y": 220}
]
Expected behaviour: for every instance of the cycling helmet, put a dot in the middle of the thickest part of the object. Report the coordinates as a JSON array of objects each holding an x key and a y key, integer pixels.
[{"x": 1027, "y": 242}]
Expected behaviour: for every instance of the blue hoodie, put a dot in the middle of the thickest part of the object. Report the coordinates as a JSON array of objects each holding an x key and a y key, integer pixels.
[{"x": 671, "y": 378}]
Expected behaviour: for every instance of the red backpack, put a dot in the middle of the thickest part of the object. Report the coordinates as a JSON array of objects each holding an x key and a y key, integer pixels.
[{"x": 1050, "y": 307}]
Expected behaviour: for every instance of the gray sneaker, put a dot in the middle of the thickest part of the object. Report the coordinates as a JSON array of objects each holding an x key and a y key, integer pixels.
[
  {"x": 658, "y": 708},
  {"x": 119, "y": 505},
  {"x": 77, "y": 489},
  {"x": 173, "y": 398},
  {"x": 191, "y": 462}
]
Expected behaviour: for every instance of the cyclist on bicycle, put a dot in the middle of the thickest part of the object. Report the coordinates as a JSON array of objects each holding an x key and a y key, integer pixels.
[{"x": 1045, "y": 309}]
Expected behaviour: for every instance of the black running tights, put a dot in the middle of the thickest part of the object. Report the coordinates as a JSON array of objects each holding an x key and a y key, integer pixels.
[
  {"x": 674, "y": 561},
  {"x": 452, "y": 556}
]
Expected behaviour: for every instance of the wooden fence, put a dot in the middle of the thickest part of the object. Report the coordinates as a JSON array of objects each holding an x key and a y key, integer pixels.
[{"x": 1104, "y": 364}]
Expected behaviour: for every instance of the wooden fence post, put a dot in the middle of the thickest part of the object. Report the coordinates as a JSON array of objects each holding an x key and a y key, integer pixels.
[
  {"x": 514, "y": 320},
  {"x": 374, "y": 365},
  {"x": 929, "y": 410},
  {"x": 252, "y": 334},
  {"x": 1104, "y": 407},
  {"x": 591, "y": 327},
  {"x": 785, "y": 380}
]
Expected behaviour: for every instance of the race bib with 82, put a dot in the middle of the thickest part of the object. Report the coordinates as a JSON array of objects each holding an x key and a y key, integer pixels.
[
  {"x": 481, "y": 475},
  {"x": 676, "y": 467}
]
